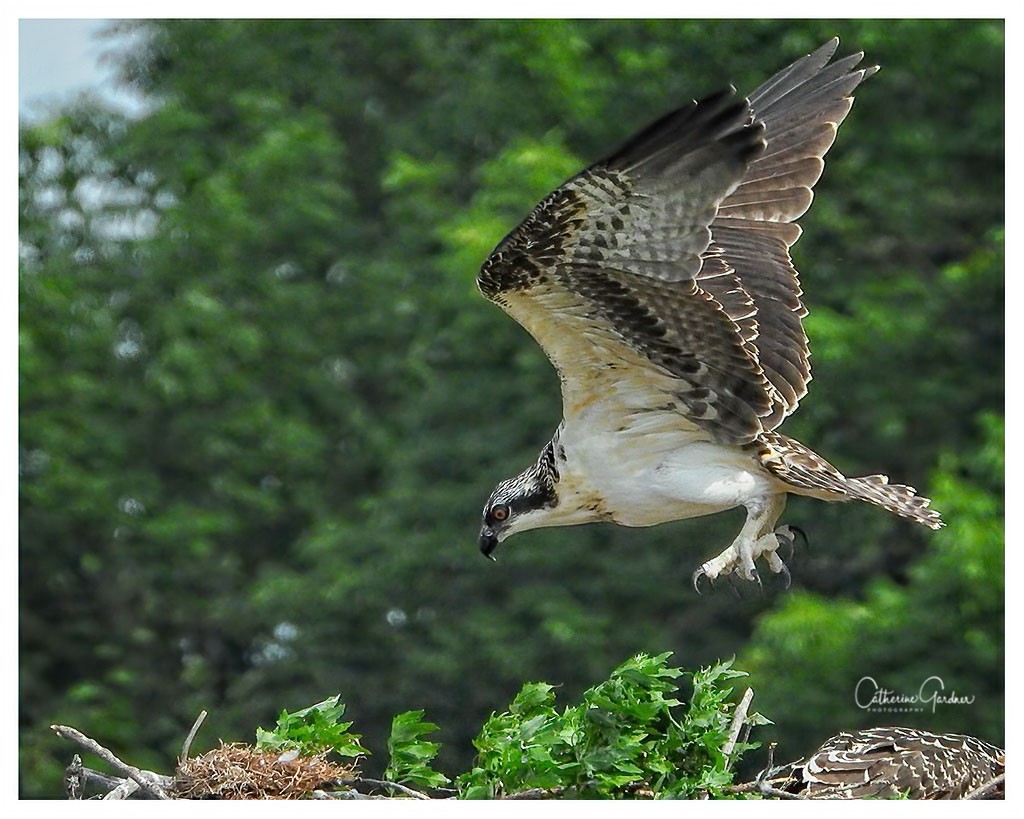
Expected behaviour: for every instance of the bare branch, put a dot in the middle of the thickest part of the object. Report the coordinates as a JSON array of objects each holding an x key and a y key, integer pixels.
[
  {"x": 147, "y": 781},
  {"x": 382, "y": 783},
  {"x": 100, "y": 781},
  {"x": 739, "y": 717},
  {"x": 123, "y": 790},
  {"x": 73, "y": 779},
  {"x": 537, "y": 793},
  {"x": 769, "y": 790},
  {"x": 191, "y": 735},
  {"x": 347, "y": 794}
]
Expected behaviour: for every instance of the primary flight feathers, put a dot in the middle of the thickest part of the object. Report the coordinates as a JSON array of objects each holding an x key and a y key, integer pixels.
[{"x": 678, "y": 246}]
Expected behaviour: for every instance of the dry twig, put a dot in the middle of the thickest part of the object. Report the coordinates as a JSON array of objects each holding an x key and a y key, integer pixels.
[
  {"x": 187, "y": 745},
  {"x": 349, "y": 794},
  {"x": 769, "y": 790},
  {"x": 537, "y": 793},
  {"x": 383, "y": 783},
  {"x": 148, "y": 781},
  {"x": 73, "y": 779},
  {"x": 122, "y": 790},
  {"x": 739, "y": 717}
]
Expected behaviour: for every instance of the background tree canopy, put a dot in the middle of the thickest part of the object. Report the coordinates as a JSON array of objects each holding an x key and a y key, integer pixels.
[{"x": 262, "y": 403}]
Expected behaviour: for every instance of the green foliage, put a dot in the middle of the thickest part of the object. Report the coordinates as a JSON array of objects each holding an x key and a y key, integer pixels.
[
  {"x": 626, "y": 733},
  {"x": 313, "y": 730},
  {"x": 261, "y": 402},
  {"x": 410, "y": 755},
  {"x": 319, "y": 728}
]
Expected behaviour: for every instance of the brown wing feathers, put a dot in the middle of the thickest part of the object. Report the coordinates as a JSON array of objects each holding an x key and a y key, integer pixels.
[
  {"x": 678, "y": 243},
  {"x": 715, "y": 128},
  {"x": 801, "y": 108}
]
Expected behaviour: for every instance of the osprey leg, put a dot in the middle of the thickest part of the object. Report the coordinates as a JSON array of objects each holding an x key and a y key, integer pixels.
[{"x": 757, "y": 538}]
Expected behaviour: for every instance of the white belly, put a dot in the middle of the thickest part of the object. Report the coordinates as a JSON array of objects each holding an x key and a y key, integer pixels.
[{"x": 669, "y": 472}]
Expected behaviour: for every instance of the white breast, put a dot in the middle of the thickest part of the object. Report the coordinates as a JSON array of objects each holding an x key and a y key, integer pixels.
[{"x": 657, "y": 467}]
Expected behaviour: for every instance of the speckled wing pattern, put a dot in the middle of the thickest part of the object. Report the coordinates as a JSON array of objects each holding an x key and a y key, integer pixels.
[
  {"x": 669, "y": 260},
  {"x": 891, "y": 762}
]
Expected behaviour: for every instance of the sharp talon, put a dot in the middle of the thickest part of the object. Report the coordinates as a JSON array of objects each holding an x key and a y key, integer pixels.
[
  {"x": 802, "y": 534},
  {"x": 784, "y": 571},
  {"x": 697, "y": 575}
]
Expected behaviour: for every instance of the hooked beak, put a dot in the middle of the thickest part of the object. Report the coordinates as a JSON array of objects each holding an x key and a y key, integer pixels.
[{"x": 488, "y": 542}]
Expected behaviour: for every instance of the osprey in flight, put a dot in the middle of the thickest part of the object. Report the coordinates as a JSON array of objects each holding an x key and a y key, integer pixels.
[{"x": 659, "y": 283}]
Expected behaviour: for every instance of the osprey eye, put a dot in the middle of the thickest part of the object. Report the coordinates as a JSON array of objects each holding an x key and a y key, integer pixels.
[{"x": 500, "y": 513}]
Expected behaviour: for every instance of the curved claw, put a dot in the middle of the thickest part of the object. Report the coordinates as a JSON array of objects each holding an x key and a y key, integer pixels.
[
  {"x": 802, "y": 534},
  {"x": 784, "y": 571},
  {"x": 697, "y": 575},
  {"x": 786, "y": 536}
]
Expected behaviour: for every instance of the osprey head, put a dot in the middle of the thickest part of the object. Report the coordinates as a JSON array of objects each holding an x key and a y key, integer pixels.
[{"x": 520, "y": 503}]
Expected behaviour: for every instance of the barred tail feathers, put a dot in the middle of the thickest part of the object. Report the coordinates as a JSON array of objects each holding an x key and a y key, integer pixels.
[
  {"x": 897, "y": 498},
  {"x": 805, "y": 472}
]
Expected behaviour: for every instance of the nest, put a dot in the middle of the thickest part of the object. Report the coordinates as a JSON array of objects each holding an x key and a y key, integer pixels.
[{"x": 237, "y": 771}]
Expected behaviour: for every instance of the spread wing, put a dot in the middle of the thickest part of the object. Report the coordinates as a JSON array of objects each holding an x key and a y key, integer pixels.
[{"x": 663, "y": 272}]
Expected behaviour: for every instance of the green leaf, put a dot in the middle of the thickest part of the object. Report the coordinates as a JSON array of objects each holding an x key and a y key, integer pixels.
[
  {"x": 532, "y": 697},
  {"x": 410, "y": 755},
  {"x": 313, "y": 730}
]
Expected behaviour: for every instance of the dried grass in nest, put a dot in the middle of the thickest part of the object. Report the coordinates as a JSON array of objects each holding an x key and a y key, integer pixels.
[{"x": 238, "y": 771}]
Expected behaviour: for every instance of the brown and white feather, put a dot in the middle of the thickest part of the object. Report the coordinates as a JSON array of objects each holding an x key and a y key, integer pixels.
[
  {"x": 808, "y": 473},
  {"x": 893, "y": 762}
]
